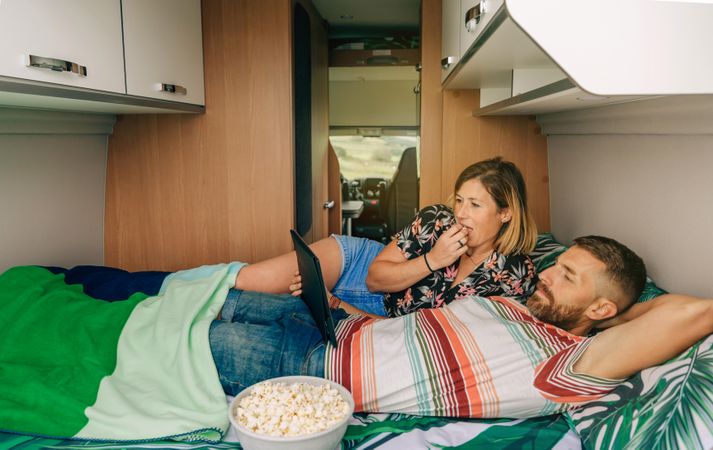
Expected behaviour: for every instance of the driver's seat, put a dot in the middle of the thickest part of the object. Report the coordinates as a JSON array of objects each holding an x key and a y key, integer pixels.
[{"x": 401, "y": 201}]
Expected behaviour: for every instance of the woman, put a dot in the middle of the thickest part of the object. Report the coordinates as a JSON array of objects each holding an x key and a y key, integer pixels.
[{"x": 480, "y": 247}]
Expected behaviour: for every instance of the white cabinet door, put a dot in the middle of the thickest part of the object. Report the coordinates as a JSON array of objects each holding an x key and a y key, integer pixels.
[
  {"x": 67, "y": 35},
  {"x": 475, "y": 15},
  {"x": 164, "y": 49},
  {"x": 450, "y": 39}
]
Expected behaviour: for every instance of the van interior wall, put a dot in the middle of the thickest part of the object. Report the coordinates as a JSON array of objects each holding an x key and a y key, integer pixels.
[
  {"x": 431, "y": 144},
  {"x": 452, "y": 139},
  {"x": 185, "y": 190},
  {"x": 640, "y": 173},
  {"x": 52, "y": 176}
]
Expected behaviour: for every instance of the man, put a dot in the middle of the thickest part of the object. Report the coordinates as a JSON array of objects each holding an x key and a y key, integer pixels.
[{"x": 475, "y": 357}]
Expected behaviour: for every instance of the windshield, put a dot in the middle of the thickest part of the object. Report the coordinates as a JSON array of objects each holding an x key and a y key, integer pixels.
[{"x": 365, "y": 156}]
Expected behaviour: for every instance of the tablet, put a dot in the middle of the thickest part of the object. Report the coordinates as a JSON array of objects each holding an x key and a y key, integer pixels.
[{"x": 314, "y": 292}]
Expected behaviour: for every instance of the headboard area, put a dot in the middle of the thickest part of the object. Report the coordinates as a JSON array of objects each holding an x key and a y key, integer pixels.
[
  {"x": 640, "y": 173},
  {"x": 52, "y": 178}
]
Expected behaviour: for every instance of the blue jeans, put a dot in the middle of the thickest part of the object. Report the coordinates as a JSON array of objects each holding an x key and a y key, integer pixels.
[
  {"x": 357, "y": 255},
  {"x": 261, "y": 336}
]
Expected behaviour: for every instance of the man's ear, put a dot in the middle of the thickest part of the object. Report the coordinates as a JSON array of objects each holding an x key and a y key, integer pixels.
[{"x": 601, "y": 309}]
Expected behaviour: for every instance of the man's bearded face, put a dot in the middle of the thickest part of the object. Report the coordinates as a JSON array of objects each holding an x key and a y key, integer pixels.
[{"x": 543, "y": 305}]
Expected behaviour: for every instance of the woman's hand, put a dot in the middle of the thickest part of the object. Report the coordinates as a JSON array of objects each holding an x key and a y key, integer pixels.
[
  {"x": 296, "y": 285},
  {"x": 296, "y": 290},
  {"x": 449, "y": 247}
]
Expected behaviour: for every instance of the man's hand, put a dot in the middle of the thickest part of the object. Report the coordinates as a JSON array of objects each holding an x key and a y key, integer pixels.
[
  {"x": 449, "y": 247},
  {"x": 630, "y": 314}
]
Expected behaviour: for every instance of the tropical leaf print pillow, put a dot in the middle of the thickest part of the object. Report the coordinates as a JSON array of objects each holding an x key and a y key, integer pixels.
[
  {"x": 546, "y": 251},
  {"x": 664, "y": 407}
]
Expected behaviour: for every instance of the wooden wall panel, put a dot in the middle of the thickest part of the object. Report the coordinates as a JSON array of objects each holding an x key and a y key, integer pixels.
[
  {"x": 184, "y": 190},
  {"x": 431, "y": 103},
  {"x": 468, "y": 139}
]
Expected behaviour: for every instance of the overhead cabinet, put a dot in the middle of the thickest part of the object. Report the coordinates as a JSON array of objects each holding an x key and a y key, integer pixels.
[
  {"x": 76, "y": 55},
  {"x": 450, "y": 41},
  {"x": 555, "y": 55},
  {"x": 69, "y": 42},
  {"x": 373, "y": 96},
  {"x": 462, "y": 21},
  {"x": 164, "y": 49}
]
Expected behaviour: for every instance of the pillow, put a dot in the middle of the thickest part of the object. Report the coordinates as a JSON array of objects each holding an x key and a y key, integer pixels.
[
  {"x": 664, "y": 407},
  {"x": 669, "y": 406},
  {"x": 546, "y": 251}
]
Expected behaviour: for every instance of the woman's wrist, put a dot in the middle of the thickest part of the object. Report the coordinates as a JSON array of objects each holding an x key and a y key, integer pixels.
[{"x": 428, "y": 265}]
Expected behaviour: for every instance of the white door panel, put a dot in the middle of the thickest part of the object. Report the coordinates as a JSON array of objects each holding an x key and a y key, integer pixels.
[{"x": 164, "y": 46}]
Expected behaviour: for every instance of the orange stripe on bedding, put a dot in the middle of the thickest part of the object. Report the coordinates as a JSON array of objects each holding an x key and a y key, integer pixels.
[{"x": 489, "y": 399}]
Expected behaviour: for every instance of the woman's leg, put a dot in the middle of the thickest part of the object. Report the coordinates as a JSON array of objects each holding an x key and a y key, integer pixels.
[
  {"x": 351, "y": 286},
  {"x": 274, "y": 275}
]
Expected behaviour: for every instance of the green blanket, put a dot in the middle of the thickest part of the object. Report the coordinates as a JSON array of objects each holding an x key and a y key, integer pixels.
[{"x": 136, "y": 370}]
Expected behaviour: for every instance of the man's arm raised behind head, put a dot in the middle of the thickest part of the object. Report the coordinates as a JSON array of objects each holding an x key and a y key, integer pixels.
[{"x": 665, "y": 327}]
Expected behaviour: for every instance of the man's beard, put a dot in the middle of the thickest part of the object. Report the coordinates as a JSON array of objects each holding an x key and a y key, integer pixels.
[{"x": 546, "y": 309}]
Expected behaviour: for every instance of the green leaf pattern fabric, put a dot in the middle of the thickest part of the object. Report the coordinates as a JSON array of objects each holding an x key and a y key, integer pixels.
[
  {"x": 546, "y": 251},
  {"x": 383, "y": 431},
  {"x": 664, "y": 407}
]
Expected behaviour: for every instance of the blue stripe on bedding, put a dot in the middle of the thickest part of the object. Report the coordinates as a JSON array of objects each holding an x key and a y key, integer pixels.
[{"x": 112, "y": 284}]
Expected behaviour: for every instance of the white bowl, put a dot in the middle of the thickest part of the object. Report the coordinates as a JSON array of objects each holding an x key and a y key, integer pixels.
[{"x": 324, "y": 440}]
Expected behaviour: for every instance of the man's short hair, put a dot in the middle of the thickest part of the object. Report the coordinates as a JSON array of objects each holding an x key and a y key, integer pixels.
[{"x": 625, "y": 270}]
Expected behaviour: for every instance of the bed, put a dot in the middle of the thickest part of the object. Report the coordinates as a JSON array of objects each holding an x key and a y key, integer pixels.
[{"x": 669, "y": 406}]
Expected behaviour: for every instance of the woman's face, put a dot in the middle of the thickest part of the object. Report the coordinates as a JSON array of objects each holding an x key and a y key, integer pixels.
[{"x": 476, "y": 210}]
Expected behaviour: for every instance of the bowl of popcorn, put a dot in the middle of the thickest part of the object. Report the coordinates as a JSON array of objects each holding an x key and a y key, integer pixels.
[{"x": 297, "y": 412}]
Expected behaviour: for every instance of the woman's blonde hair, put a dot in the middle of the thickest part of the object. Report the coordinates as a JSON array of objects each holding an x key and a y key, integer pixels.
[{"x": 504, "y": 182}]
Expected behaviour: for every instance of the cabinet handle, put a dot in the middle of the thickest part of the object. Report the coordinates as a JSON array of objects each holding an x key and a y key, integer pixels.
[
  {"x": 447, "y": 61},
  {"x": 58, "y": 65},
  {"x": 473, "y": 16},
  {"x": 171, "y": 88},
  {"x": 329, "y": 204}
]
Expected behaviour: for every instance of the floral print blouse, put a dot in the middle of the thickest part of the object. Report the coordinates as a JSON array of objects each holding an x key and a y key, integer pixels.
[{"x": 504, "y": 275}]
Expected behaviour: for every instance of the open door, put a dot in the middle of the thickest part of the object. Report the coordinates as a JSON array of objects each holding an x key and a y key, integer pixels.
[
  {"x": 335, "y": 192},
  {"x": 311, "y": 116}
]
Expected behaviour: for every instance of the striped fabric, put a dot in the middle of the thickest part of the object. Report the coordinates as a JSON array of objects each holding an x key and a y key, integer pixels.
[
  {"x": 476, "y": 357},
  {"x": 556, "y": 380}
]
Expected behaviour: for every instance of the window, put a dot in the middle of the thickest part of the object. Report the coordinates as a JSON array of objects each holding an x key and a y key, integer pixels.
[{"x": 371, "y": 156}]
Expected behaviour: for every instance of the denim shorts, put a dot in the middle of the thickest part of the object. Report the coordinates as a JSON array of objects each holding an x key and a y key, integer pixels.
[
  {"x": 357, "y": 255},
  {"x": 261, "y": 336}
]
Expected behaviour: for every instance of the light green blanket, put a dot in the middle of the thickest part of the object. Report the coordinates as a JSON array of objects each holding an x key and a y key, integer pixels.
[{"x": 141, "y": 369}]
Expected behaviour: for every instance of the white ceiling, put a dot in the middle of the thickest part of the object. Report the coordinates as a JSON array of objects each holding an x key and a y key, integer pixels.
[{"x": 369, "y": 15}]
